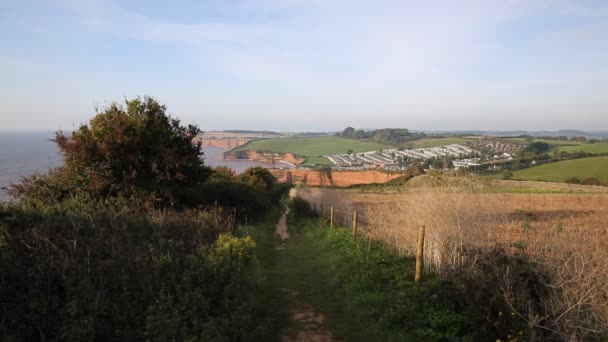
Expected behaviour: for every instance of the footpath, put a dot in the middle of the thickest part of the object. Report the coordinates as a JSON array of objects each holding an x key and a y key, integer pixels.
[{"x": 300, "y": 272}]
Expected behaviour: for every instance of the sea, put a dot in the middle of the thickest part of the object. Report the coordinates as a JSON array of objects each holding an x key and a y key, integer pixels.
[{"x": 23, "y": 154}]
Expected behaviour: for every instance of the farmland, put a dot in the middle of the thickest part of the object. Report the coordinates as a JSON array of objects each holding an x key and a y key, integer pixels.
[
  {"x": 313, "y": 149},
  {"x": 558, "y": 172},
  {"x": 435, "y": 142},
  {"x": 565, "y": 233},
  {"x": 588, "y": 148}
]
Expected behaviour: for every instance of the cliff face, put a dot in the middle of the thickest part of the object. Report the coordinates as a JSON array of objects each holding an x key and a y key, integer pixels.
[
  {"x": 332, "y": 178},
  {"x": 223, "y": 143},
  {"x": 268, "y": 158}
]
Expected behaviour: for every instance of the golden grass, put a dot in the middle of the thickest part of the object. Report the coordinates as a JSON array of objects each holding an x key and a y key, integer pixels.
[{"x": 566, "y": 232}]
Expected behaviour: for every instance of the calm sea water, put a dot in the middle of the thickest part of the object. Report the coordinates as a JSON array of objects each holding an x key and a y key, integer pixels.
[{"x": 23, "y": 154}]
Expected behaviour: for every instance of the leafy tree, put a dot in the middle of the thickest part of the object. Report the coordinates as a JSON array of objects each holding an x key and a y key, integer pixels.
[
  {"x": 222, "y": 174},
  {"x": 360, "y": 134},
  {"x": 348, "y": 132},
  {"x": 258, "y": 177},
  {"x": 533, "y": 149},
  {"x": 129, "y": 150}
]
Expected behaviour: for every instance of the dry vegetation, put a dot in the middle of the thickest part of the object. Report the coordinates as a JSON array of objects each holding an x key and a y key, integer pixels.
[{"x": 566, "y": 232}]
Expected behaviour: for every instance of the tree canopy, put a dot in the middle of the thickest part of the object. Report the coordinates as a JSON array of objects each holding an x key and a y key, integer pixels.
[{"x": 127, "y": 149}]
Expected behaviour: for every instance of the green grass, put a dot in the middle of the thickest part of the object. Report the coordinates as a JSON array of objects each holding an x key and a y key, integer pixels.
[
  {"x": 558, "y": 172},
  {"x": 299, "y": 265},
  {"x": 312, "y": 149},
  {"x": 559, "y": 142},
  {"x": 434, "y": 142},
  {"x": 318, "y": 160},
  {"x": 588, "y": 148},
  {"x": 524, "y": 141}
]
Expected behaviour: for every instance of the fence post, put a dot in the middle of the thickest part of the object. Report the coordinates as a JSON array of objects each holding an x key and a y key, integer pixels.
[
  {"x": 354, "y": 224},
  {"x": 331, "y": 217},
  {"x": 419, "y": 255}
]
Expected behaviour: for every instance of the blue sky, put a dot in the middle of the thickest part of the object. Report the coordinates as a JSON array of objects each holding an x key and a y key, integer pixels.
[{"x": 296, "y": 65}]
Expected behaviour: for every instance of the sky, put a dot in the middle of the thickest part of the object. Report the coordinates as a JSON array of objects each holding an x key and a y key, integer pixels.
[{"x": 309, "y": 65}]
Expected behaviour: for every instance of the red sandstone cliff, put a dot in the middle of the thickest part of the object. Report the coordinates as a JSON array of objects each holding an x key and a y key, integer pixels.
[
  {"x": 332, "y": 178},
  {"x": 268, "y": 158},
  {"x": 223, "y": 143}
]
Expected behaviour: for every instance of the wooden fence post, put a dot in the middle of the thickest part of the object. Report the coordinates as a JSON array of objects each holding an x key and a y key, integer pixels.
[
  {"x": 331, "y": 217},
  {"x": 419, "y": 255},
  {"x": 354, "y": 224}
]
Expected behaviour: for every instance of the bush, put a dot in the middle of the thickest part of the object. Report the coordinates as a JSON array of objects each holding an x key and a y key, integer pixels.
[
  {"x": 133, "y": 151},
  {"x": 591, "y": 181},
  {"x": 375, "y": 286},
  {"x": 108, "y": 277},
  {"x": 572, "y": 180},
  {"x": 507, "y": 174},
  {"x": 257, "y": 177},
  {"x": 301, "y": 209},
  {"x": 500, "y": 293}
]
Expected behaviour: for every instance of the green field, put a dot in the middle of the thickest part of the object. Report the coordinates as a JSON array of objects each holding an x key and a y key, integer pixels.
[
  {"x": 434, "y": 142},
  {"x": 312, "y": 149},
  {"x": 589, "y": 148},
  {"x": 524, "y": 141},
  {"x": 558, "y": 172}
]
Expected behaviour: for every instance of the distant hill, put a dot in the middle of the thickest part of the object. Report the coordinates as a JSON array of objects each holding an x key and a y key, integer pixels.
[
  {"x": 240, "y": 131},
  {"x": 311, "y": 134},
  {"x": 566, "y": 132}
]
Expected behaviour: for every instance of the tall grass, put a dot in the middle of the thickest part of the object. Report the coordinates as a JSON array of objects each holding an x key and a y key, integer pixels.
[{"x": 566, "y": 235}]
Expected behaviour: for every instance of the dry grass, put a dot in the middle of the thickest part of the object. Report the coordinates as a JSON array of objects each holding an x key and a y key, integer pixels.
[{"x": 568, "y": 233}]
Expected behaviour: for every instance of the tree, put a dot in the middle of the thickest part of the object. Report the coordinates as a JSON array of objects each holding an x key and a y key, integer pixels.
[
  {"x": 360, "y": 134},
  {"x": 133, "y": 149},
  {"x": 348, "y": 132},
  {"x": 222, "y": 174},
  {"x": 349, "y": 151},
  {"x": 533, "y": 149},
  {"x": 257, "y": 177}
]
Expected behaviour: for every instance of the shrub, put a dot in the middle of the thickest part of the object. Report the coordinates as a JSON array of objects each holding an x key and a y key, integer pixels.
[
  {"x": 135, "y": 150},
  {"x": 301, "y": 209},
  {"x": 507, "y": 174},
  {"x": 222, "y": 174},
  {"x": 108, "y": 277},
  {"x": 572, "y": 180},
  {"x": 591, "y": 181},
  {"x": 257, "y": 177}
]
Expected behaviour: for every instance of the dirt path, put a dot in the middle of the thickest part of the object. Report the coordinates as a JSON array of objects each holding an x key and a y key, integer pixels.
[
  {"x": 306, "y": 323},
  {"x": 281, "y": 229}
]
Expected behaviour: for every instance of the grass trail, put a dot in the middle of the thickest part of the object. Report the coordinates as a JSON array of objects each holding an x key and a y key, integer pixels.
[{"x": 298, "y": 272}]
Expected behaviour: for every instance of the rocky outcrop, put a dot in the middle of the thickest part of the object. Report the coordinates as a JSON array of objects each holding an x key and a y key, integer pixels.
[
  {"x": 332, "y": 178},
  {"x": 223, "y": 143},
  {"x": 268, "y": 158}
]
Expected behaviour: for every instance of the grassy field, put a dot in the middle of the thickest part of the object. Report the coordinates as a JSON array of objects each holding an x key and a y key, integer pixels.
[
  {"x": 589, "y": 148},
  {"x": 425, "y": 143},
  {"x": 565, "y": 233},
  {"x": 312, "y": 149},
  {"x": 557, "y": 172},
  {"x": 318, "y": 161},
  {"x": 523, "y": 141}
]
